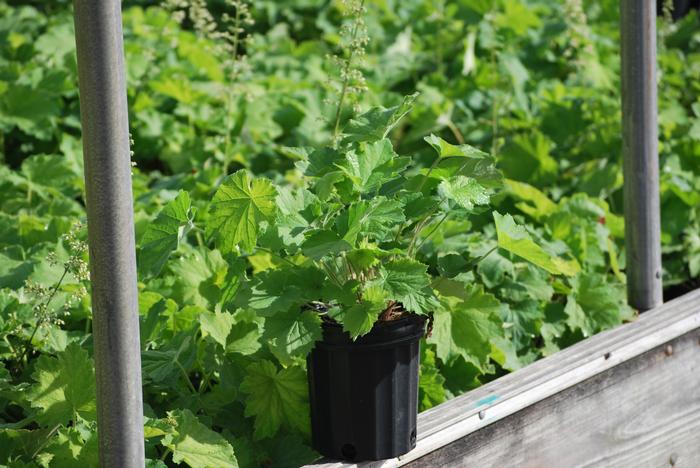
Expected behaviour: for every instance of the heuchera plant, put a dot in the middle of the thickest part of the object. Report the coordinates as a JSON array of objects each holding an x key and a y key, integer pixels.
[{"x": 345, "y": 241}]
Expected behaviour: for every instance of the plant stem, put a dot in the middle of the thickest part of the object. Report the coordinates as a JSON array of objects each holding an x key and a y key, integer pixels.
[
  {"x": 455, "y": 131},
  {"x": 486, "y": 254},
  {"x": 420, "y": 225},
  {"x": 187, "y": 377},
  {"x": 494, "y": 126},
  {"x": 330, "y": 273},
  {"x": 345, "y": 74},
  {"x": 229, "y": 94},
  {"x": 264, "y": 249},
  {"x": 45, "y": 441},
  {"x": 165, "y": 454},
  {"x": 420, "y": 187},
  {"x": 227, "y": 141},
  {"x": 437, "y": 225},
  {"x": 237, "y": 28},
  {"x": 427, "y": 174},
  {"x": 29, "y": 199},
  {"x": 205, "y": 382},
  {"x": 42, "y": 317}
]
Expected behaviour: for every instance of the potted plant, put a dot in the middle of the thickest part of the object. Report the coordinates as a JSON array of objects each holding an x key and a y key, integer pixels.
[{"x": 339, "y": 275}]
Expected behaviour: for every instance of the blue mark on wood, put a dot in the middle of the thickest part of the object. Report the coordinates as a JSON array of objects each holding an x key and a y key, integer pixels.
[{"x": 487, "y": 400}]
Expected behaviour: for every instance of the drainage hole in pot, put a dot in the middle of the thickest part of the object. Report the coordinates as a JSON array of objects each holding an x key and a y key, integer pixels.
[
  {"x": 349, "y": 452},
  {"x": 413, "y": 437}
]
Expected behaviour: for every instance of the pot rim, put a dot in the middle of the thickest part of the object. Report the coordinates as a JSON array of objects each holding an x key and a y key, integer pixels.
[{"x": 384, "y": 334}]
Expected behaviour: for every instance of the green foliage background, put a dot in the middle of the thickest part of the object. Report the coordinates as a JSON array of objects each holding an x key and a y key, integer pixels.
[{"x": 532, "y": 82}]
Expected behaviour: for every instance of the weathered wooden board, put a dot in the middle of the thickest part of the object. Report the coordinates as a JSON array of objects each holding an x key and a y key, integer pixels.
[
  {"x": 615, "y": 399},
  {"x": 645, "y": 412}
]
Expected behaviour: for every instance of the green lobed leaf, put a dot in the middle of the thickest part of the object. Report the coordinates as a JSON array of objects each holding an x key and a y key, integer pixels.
[
  {"x": 483, "y": 170},
  {"x": 22, "y": 443},
  {"x": 431, "y": 383},
  {"x": 448, "y": 150},
  {"x": 216, "y": 325},
  {"x": 193, "y": 443},
  {"x": 166, "y": 363},
  {"x": 278, "y": 290},
  {"x": 293, "y": 333},
  {"x": 534, "y": 202},
  {"x": 237, "y": 209},
  {"x": 374, "y": 218},
  {"x": 276, "y": 398},
  {"x": 321, "y": 162},
  {"x": 523, "y": 321},
  {"x": 194, "y": 271},
  {"x": 362, "y": 259},
  {"x": 163, "y": 234},
  {"x": 322, "y": 243},
  {"x": 359, "y": 319},
  {"x": 51, "y": 172},
  {"x": 154, "y": 310},
  {"x": 595, "y": 304},
  {"x": 467, "y": 322},
  {"x": 244, "y": 338},
  {"x": 65, "y": 387},
  {"x": 376, "y": 164},
  {"x": 73, "y": 446},
  {"x": 515, "y": 239},
  {"x": 464, "y": 191},
  {"x": 527, "y": 157},
  {"x": 13, "y": 273},
  {"x": 504, "y": 353},
  {"x": 376, "y": 123},
  {"x": 407, "y": 281}
]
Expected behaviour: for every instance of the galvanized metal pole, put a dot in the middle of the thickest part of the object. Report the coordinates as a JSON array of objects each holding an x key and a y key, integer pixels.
[
  {"x": 640, "y": 153},
  {"x": 103, "y": 113}
]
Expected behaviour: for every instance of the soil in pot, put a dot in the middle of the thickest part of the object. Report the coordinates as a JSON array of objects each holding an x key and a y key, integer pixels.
[{"x": 364, "y": 393}]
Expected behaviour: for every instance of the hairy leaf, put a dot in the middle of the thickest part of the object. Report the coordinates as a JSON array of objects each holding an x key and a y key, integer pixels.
[
  {"x": 407, "y": 281},
  {"x": 275, "y": 398},
  {"x": 374, "y": 218},
  {"x": 65, "y": 387},
  {"x": 237, "y": 209},
  {"x": 359, "y": 319},
  {"x": 464, "y": 191}
]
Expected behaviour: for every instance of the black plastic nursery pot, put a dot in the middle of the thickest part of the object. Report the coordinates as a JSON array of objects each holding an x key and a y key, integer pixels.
[{"x": 364, "y": 394}]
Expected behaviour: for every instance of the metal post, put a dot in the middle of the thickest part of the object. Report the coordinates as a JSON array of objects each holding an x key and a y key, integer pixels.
[
  {"x": 103, "y": 113},
  {"x": 640, "y": 153}
]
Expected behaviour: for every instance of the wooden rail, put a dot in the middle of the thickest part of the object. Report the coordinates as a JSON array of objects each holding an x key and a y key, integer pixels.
[{"x": 625, "y": 397}]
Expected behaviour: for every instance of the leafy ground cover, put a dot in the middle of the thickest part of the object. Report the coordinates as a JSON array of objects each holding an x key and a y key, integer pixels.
[{"x": 274, "y": 143}]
